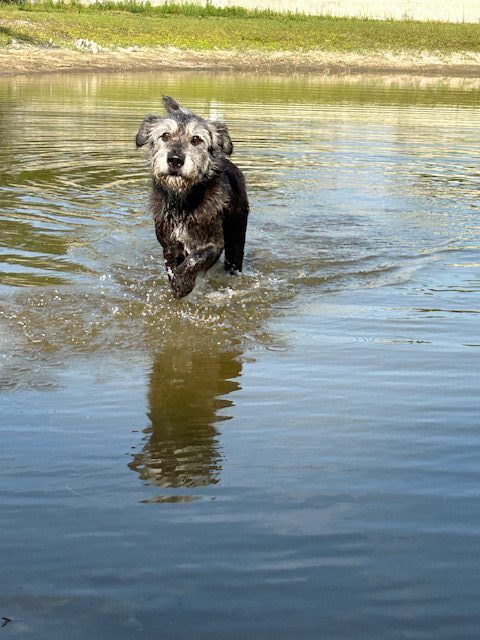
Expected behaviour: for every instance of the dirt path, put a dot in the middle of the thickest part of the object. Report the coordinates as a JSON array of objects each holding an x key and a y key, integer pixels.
[{"x": 21, "y": 59}]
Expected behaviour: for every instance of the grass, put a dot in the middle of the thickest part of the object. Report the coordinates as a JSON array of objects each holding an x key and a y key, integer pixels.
[{"x": 192, "y": 26}]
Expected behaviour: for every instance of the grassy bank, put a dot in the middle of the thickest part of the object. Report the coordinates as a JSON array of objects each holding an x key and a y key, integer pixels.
[{"x": 193, "y": 27}]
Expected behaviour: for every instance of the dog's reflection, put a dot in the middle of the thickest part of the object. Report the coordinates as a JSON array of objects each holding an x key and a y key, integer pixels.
[{"x": 187, "y": 390}]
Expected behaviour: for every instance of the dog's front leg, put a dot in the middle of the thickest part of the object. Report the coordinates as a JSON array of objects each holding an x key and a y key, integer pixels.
[
  {"x": 184, "y": 276},
  {"x": 170, "y": 260}
]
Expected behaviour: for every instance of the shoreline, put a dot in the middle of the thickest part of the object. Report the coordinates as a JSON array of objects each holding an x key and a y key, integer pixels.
[{"x": 30, "y": 60}]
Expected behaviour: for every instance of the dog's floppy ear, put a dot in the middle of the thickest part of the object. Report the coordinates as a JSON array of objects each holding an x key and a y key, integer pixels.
[
  {"x": 143, "y": 134},
  {"x": 224, "y": 141},
  {"x": 173, "y": 108}
]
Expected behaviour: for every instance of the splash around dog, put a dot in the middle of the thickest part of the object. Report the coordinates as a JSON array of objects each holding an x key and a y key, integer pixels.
[{"x": 198, "y": 199}]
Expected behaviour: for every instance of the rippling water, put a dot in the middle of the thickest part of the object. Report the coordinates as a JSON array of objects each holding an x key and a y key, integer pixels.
[{"x": 292, "y": 452}]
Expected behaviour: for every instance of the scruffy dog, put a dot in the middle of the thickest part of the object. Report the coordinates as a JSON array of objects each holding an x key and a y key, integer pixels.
[{"x": 198, "y": 199}]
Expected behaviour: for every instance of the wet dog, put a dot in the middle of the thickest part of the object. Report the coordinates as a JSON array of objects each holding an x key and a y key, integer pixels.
[{"x": 198, "y": 199}]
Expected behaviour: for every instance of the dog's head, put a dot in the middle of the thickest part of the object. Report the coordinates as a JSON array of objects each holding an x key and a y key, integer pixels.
[{"x": 185, "y": 149}]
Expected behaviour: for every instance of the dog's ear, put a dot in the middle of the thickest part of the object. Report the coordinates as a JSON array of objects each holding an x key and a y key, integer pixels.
[
  {"x": 173, "y": 108},
  {"x": 223, "y": 137},
  {"x": 143, "y": 134}
]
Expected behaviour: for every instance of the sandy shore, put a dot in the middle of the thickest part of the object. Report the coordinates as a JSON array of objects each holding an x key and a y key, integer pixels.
[{"x": 17, "y": 59}]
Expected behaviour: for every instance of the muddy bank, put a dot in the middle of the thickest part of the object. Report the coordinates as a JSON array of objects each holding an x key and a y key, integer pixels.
[{"x": 21, "y": 59}]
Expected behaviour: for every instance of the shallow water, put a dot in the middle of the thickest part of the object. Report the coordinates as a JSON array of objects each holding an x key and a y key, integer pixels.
[{"x": 290, "y": 453}]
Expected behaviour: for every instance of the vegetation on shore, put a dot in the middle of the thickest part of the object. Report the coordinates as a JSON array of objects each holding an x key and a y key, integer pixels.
[{"x": 190, "y": 26}]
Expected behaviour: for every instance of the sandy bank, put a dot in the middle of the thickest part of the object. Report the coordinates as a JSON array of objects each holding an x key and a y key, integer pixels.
[{"x": 17, "y": 59}]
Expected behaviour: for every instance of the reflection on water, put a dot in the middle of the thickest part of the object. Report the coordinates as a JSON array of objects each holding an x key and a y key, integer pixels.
[
  {"x": 292, "y": 452},
  {"x": 186, "y": 391}
]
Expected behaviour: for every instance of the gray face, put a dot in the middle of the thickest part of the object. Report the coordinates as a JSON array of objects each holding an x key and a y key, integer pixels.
[
  {"x": 181, "y": 154},
  {"x": 184, "y": 149}
]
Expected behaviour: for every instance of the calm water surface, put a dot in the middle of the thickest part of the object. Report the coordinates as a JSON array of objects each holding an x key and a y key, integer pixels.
[{"x": 291, "y": 453}]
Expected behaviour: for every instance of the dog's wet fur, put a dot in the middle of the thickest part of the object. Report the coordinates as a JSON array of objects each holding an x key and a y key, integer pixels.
[{"x": 198, "y": 199}]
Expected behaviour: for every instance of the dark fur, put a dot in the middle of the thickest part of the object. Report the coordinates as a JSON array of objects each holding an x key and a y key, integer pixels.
[{"x": 200, "y": 207}]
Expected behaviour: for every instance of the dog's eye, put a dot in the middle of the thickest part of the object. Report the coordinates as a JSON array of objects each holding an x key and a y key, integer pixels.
[
  {"x": 196, "y": 140},
  {"x": 166, "y": 136}
]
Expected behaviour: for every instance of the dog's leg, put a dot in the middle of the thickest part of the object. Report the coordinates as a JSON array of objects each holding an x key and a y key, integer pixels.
[
  {"x": 234, "y": 230},
  {"x": 171, "y": 261},
  {"x": 234, "y": 219},
  {"x": 184, "y": 276}
]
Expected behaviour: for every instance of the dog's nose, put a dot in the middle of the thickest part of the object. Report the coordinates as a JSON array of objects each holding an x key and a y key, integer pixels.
[{"x": 175, "y": 161}]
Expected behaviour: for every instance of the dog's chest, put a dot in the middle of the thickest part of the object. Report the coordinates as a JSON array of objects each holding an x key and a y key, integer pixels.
[
  {"x": 180, "y": 235},
  {"x": 177, "y": 224},
  {"x": 184, "y": 227}
]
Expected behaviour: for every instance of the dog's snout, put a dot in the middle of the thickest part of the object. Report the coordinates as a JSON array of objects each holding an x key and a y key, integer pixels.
[{"x": 175, "y": 161}]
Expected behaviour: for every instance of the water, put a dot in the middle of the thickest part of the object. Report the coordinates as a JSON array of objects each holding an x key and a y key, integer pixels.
[{"x": 291, "y": 453}]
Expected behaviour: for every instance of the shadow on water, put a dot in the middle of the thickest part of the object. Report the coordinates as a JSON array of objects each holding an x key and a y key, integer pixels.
[{"x": 187, "y": 396}]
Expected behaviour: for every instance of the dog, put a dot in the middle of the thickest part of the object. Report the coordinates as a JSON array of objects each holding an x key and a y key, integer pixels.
[{"x": 198, "y": 199}]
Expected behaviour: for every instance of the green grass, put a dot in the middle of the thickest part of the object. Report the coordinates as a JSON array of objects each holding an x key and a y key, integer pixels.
[{"x": 192, "y": 26}]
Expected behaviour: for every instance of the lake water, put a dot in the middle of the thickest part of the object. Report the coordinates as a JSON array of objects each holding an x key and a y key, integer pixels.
[{"x": 292, "y": 453}]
